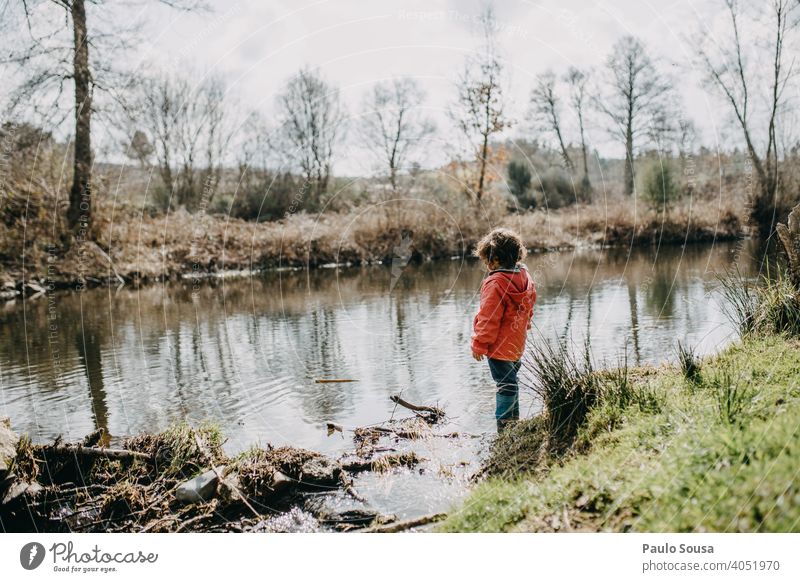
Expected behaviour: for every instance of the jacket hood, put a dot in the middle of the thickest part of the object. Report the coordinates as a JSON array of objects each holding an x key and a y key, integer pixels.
[{"x": 515, "y": 284}]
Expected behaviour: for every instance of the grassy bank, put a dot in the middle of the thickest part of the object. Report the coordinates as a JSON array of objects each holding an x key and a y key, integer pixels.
[
  {"x": 710, "y": 447},
  {"x": 136, "y": 247}
]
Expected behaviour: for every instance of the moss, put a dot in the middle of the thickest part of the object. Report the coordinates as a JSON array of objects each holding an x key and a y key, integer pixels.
[{"x": 682, "y": 465}]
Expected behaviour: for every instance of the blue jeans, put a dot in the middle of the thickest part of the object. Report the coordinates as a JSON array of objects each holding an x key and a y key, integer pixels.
[{"x": 507, "y": 399}]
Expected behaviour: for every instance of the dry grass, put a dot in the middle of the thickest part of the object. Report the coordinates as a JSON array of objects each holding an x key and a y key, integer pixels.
[{"x": 146, "y": 248}]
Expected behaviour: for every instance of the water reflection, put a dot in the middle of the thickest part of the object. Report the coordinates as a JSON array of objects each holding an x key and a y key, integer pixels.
[{"x": 246, "y": 352}]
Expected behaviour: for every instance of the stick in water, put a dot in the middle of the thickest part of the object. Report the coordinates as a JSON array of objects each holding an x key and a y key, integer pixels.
[
  {"x": 416, "y": 408},
  {"x": 333, "y": 380}
]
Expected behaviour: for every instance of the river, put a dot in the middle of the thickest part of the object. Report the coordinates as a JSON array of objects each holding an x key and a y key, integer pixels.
[{"x": 245, "y": 352}]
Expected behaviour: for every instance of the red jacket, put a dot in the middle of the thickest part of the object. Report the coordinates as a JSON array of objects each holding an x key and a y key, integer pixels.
[{"x": 504, "y": 317}]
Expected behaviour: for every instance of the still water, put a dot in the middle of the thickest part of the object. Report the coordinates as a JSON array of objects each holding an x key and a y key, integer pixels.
[{"x": 246, "y": 352}]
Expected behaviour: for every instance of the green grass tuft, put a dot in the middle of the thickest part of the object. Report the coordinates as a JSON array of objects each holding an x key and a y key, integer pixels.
[
  {"x": 567, "y": 386},
  {"x": 689, "y": 363},
  {"x": 768, "y": 306}
]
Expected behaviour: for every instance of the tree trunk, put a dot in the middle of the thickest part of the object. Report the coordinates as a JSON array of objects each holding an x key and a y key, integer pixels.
[
  {"x": 629, "y": 159},
  {"x": 586, "y": 185},
  {"x": 79, "y": 212},
  {"x": 764, "y": 207},
  {"x": 585, "y": 160},
  {"x": 564, "y": 153},
  {"x": 482, "y": 177}
]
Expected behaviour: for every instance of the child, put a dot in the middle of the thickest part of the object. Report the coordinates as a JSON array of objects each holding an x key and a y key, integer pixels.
[{"x": 504, "y": 317}]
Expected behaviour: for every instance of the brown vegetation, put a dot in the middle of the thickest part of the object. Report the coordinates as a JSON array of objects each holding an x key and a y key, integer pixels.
[{"x": 180, "y": 244}]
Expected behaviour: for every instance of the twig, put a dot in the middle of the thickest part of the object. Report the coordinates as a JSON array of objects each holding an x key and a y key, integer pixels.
[
  {"x": 185, "y": 524},
  {"x": 405, "y": 525},
  {"x": 221, "y": 480},
  {"x": 347, "y": 485}
]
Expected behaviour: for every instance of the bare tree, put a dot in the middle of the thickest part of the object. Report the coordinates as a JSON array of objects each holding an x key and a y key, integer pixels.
[
  {"x": 392, "y": 126},
  {"x": 189, "y": 129},
  {"x": 634, "y": 97},
  {"x": 578, "y": 81},
  {"x": 546, "y": 112},
  {"x": 729, "y": 69},
  {"x": 311, "y": 122},
  {"x": 479, "y": 111},
  {"x": 56, "y": 51}
]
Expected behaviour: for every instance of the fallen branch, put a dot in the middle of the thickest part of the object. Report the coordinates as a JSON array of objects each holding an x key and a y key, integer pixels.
[
  {"x": 435, "y": 412},
  {"x": 405, "y": 525},
  {"x": 114, "y": 454}
]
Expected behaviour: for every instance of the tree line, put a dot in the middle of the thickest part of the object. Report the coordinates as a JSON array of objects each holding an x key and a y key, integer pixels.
[{"x": 182, "y": 125}]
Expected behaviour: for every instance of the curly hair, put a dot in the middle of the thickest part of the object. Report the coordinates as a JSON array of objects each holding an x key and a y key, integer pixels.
[{"x": 503, "y": 245}]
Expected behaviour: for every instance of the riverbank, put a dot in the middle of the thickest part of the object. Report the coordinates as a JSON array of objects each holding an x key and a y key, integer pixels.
[
  {"x": 710, "y": 447},
  {"x": 134, "y": 248}
]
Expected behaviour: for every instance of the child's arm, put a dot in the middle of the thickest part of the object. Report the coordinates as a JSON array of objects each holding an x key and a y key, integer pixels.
[{"x": 487, "y": 321}]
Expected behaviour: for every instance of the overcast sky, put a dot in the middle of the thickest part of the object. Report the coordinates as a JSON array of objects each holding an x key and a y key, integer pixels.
[{"x": 257, "y": 45}]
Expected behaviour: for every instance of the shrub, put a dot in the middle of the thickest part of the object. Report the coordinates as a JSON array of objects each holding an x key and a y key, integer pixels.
[
  {"x": 659, "y": 186},
  {"x": 519, "y": 182},
  {"x": 263, "y": 195},
  {"x": 557, "y": 188}
]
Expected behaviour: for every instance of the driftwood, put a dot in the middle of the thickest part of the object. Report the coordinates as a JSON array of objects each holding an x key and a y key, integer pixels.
[
  {"x": 405, "y": 525},
  {"x": 333, "y": 380},
  {"x": 433, "y": 412}
]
